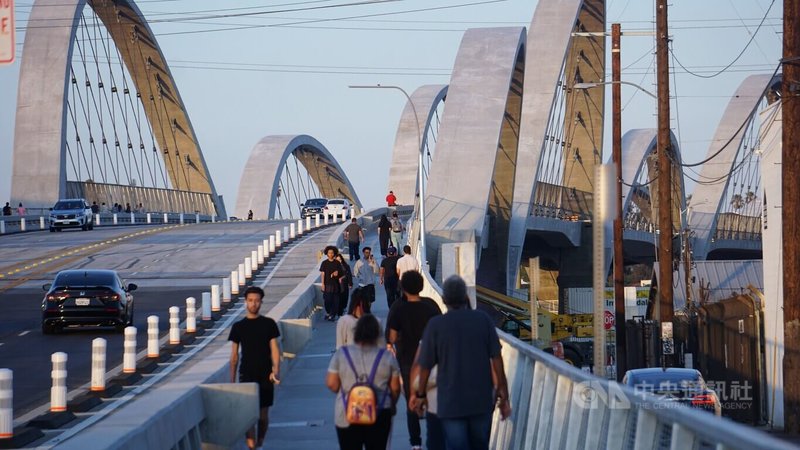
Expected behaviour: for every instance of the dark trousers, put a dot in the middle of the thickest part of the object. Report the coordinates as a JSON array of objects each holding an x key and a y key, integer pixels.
[
  {"x": 369, "y": 292},
  {"x": 331, "y": 302},
  {"x": 412, "y": 419},
  {"x": 383, "y": 239},
  {"x": 435, "y": 436},
  {"x": 354, "y": 246},
  {"x": 467, "y": 433},
  {"x": 343, "y": 299},
  {"x": 369, "y": 437},
  {"x": 390, "y": 285}
]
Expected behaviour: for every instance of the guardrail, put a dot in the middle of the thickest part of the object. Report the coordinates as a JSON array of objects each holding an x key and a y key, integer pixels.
[{"x": 27, "y": 223}]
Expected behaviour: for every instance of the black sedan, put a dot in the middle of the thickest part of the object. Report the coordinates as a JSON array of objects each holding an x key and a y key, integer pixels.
[
  {"x": 675, "y": 384},
  {"x": 87, "y": 297}
]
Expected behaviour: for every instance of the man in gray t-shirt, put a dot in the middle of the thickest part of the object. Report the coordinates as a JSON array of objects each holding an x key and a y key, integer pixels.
[
  {"x": 464, "y": 345},
  {"x": 354, "y": 235}
]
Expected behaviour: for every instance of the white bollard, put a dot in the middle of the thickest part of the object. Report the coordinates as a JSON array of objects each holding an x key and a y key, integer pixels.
[
  {"x": 317, "y": 219},
  {"x": 166, "y": 218},
  {"x": 292, "y": 231},
  {"x": 215, "y": 306},
  {"x": 97, "y": 219},
  {"x": 272, "y": 245},
  {"x": 234, "y": 283},
  {"x": 254, "y": 260},
  {"x": 129, "y": 351},
  {"x": 149, "y": 218},
  {"x": 115, "y": 220},
  {"x": 181, "y": 219},
  {"x": 41, "y": 223},
  {"x": 265, "y": 245},
  {"x": 226, "y": 290},
  {"x": 325, "y": 216},
  {"x": 308, "y": 223},
  {"x": 58, "y": 392},
  {"x": 242, "y": 279},
  {"x": 2, "y": 227},
  {"x": 299, "y": 227},
  {"x": 260, "y": 254},
  {"x": 205, "y": 312},
  {"x": 98, "y": 365},
  {"x": 6, "y": 404},
  {"x": 22, "y": 224},
  {"x": 213, "y": 219},
  {"x": 191, "y": 315},
  {"x": 285, "y": 234},
  {"x": 174, "y": 325},
  {"x": 278, "y": 240},
  {"x": 248, "y": 268},
  {"x": 152, "y": 337},
  {"x": 197, "y": 218},
  {"x": 133, "y": 219}
]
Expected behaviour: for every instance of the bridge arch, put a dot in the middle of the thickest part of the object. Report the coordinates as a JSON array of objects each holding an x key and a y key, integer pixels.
[
  {"x": 404, "y": 170},
  {"x": 472, "y": 171},
  {"x": 260, "y": 183},
  {"x": 40, "y": 146},
  {"x": 561, "y": 134}
]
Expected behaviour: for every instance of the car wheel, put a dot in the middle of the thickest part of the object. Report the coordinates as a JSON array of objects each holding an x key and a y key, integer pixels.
[
  {"x": 91, "y": 225},
  {"x": 572, "y": 357},
  {"x": 84, "y": 227}
]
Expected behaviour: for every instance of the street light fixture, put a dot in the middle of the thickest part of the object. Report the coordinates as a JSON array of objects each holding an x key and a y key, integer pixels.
[{"x": 422, "y": 253}]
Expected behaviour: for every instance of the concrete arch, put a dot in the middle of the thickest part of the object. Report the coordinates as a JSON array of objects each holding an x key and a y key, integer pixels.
[
  {"x": 472, "y": 172},
  {"x": 709, "y": 198},
  {"x": 405, "y": 162},
  {"x": 266, "y": 163},
  {"x": 555, "y": 51},
  {"x": 39, "y": 167}
]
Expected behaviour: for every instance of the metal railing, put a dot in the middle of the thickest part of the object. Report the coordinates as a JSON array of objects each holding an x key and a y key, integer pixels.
[{"x": 28, "y": 223}]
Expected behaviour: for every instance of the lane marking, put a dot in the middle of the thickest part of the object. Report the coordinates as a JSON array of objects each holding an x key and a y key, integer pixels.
[{"x": 24, "y": 333}]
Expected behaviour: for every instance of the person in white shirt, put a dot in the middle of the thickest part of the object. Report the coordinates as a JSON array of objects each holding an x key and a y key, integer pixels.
[
  {"x": 406, "y": 263},
  {"x": 346, "y": 325}
]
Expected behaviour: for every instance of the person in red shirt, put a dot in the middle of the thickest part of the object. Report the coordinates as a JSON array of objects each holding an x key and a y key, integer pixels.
[{"x": 391, "y": 200}]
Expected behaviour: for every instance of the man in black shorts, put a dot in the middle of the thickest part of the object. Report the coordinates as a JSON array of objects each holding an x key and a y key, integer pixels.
[{"x": 258, "y": 337}]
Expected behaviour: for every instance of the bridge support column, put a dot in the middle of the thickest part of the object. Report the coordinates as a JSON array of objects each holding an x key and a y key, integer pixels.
[{"x": 459, "y": 258}]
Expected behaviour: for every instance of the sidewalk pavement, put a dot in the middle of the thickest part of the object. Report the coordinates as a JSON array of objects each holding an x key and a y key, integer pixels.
[{"x": 302, "y": 417}]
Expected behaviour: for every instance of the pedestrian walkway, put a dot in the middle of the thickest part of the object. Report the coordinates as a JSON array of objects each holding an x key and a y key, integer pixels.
[{"x": 302, "y": 418}]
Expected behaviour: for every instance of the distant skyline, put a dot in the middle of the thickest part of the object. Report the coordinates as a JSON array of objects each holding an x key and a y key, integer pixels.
[{"x": 289, "y": 74}]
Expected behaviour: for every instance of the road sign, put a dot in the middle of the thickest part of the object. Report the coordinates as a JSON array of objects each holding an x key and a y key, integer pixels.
[
  {"x": 608, "y": 320},
  {"x": 7, "y": 32}
]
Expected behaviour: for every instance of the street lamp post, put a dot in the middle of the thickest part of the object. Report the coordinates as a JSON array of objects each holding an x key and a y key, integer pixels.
[{"x": 420, "y": 173}]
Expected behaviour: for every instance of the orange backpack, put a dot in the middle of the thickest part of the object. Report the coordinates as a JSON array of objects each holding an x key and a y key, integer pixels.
[{"x": 361, "y": 404}]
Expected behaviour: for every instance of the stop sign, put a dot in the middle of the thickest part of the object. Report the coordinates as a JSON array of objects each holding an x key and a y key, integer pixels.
[{"x": 608, "y": 320}]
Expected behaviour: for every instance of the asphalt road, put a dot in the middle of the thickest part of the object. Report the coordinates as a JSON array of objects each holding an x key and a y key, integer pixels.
[{"x": 168, "y": 265}]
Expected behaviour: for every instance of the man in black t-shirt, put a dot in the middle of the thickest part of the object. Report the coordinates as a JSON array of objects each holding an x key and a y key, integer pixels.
[
  {"x": 331, "y": 272},
  {"x": 404, "y": 328},
  {"x": 258, "y": 338},
  {"x": 389, "y": 278}
]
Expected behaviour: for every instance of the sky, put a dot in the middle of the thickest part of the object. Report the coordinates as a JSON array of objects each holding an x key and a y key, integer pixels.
[{"x": 290, "y": 74}]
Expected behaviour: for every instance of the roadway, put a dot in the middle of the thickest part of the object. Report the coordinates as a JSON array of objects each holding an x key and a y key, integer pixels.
[{"x": 168, "y": 263}]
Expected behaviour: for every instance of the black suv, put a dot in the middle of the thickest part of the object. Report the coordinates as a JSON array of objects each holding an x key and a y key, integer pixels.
[{"x": 312, "y": 207}]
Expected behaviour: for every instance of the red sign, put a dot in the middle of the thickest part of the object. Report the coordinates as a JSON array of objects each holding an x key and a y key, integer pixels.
[
  {"x": 7, "y": 32},
  {"x": 608, "y": 320}
]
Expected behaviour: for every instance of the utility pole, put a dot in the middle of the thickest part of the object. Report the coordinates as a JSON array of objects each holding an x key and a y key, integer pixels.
[
  {"x": 664, "y": 175},
  {"x": 616, "y": 156},
  {"x": 791, "y": 215}
]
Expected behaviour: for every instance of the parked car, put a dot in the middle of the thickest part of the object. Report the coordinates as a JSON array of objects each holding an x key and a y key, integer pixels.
[
  {"x": 71, "y": 213},
  {"x": 675, "y": 384},
  {"x": 337, "y": 207},
  {"x": 312, "y": 207},
  {"x": 87, "y": 297}
]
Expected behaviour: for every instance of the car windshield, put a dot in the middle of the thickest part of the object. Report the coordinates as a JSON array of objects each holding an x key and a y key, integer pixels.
[
  {"x": 84, "y": 279},
  {"x": 336, "y": 202},
  {"x": 69, "y": 205},
  {"x": 316, "y": 202}
]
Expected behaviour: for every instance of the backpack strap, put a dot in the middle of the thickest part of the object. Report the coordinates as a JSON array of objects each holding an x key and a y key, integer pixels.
[
  {"x": 372, "y": 376},
  {"x": 352, "y": 366}
]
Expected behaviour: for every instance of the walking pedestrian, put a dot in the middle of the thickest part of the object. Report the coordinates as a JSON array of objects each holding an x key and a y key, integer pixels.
[
  {"x": 364, "y": 273},
  {"x": 406, "y": 263},
  {"x": 405, "y": 325},
  {"x": 21, "y": 210},
  {"x": 389, "y": 278},
  {"x": 331, "y": 273},
  {"x": 397, "y": 230},
  {"x": 346, "y": 284},
  {"x": 346, "y": 326},
  {"x": 257, "y": 338},
  {"x": 364, "y": 362},
  {"x": 391, "y": 200},
  {"x": 7, "y": 209},
  {"x": 95, "y": 208},
  {"x": 384, "y": 234},
  {"x": 354, "y": 235},
  {"x": 434, "y": 436},
  {"x": 250, "y": 214},
  {"x": 464, "y": 344},
  {"x": 128, "y": 208}
]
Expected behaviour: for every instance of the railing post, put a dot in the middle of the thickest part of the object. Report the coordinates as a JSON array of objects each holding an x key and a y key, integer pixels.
[
  {"x": 58, "y": 392},
  {"x": 191, "y": 315},
  {"x": 98, "y": 365}
]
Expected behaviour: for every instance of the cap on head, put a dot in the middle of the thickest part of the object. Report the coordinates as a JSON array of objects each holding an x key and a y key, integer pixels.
[
  {"x": 391, "y": 251},
  {"x": 454, "y": 291}
]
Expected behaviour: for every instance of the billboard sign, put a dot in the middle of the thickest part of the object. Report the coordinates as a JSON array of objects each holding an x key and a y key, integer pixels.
[{"x": 7, "y": 32}]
